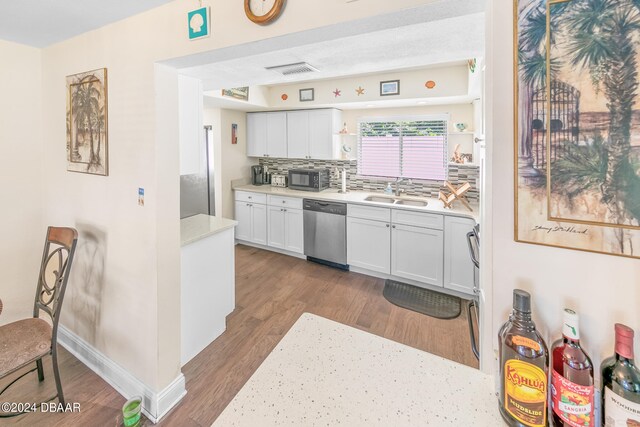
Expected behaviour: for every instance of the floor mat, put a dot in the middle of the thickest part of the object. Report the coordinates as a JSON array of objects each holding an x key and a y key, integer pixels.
[{"x": 425, "y": 301}]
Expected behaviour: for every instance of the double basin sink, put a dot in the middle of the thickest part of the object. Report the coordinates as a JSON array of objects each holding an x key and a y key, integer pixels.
[{"x": 396, "y": 201}]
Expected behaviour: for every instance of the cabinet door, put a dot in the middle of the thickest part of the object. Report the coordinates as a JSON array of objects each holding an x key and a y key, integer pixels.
[
  {"x": 243, "y": 216},
  {"x": 256, "y": 134},
  {"x": 458, "y": 268},
  {"x": 294, "y": 231},
  {"x": 259, "y": 224},
  {"x": 368, "y": 244},
  {"x": 417, "y": 254},
  {"x": 276, "y": 227},
  {"x": 277, "y": 134},
  {"x": 298, "y": 134},
  {"x": 321, "y": 134}
]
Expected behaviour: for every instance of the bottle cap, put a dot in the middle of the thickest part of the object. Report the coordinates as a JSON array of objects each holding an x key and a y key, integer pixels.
[
  {"x": 521, "y": 301},
  {"x": 624, "y": 340},
  {"x": 571, "y": 325}
]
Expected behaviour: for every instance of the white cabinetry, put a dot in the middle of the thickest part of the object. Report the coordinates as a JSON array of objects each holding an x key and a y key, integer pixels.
[
  {"x": 369, "y": 244},
  {"x": 417, "y": 254},
  {"x": 304, "y": 134},
  {"x": 251, "y": 214},
  {"x": 458, "y": 268},
  {"x": 285, "y": 229},
  {"x": 267, "y": 134}
]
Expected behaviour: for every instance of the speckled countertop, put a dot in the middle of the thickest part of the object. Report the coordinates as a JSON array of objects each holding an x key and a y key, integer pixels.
[
  {"x": 200, "y": 226},
  {"x": 433, "y": 205},
  {"x": 324, "y": 373}
]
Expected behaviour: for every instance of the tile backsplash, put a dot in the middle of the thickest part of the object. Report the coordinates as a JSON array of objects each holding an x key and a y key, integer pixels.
[{"x": 457, "y": 175}]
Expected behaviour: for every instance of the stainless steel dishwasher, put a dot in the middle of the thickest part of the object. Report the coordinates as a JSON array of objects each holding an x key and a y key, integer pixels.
[{"x": 325, "y": 232}]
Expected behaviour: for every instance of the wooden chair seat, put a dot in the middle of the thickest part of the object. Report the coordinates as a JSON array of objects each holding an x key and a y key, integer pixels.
[{"x": 22, "y": 343}]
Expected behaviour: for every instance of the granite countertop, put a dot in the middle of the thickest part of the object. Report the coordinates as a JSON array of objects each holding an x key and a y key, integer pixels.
[
  {"x": 325, "y": 373},
  {"x": 433, "y": 205},
  {"x": 200, "y": 226}
]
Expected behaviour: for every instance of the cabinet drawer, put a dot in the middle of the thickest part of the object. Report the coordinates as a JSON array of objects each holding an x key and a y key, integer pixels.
[
  {"x": 243, "y": 196},
  {"x": 282, "y": 201},
  {"x": 417, "y": 219},
  {"x": 368, "y": 212}
]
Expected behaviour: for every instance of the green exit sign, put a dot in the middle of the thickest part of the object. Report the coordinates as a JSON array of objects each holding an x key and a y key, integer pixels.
[{"x": 199, "y": 23}]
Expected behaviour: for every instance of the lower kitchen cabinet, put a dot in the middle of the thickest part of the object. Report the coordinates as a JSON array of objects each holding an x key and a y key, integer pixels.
[
  {"x": 417, "y": 254},
  {"x": 252, "y": 222},
  {"x": 369, "y": 244},
  {"x": 285, "y": 229},
  {"x": 458, "y": 268}
]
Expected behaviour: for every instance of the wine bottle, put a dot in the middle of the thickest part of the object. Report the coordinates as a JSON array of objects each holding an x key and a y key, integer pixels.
[
  {"x": 524, "y": 365},
  {"x": 571, "y": 378},
  {"x": 621, "y": 383}
]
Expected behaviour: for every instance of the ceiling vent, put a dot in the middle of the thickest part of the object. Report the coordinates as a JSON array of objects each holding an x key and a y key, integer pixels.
[{"x": 291, "y": 69}]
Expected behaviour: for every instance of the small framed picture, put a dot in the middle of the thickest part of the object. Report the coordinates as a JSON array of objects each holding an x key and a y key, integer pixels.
[
  {"x": 234, "y": 133},
  {"x": 390, "y": 87},
  {"x": 306, "y": 95}
]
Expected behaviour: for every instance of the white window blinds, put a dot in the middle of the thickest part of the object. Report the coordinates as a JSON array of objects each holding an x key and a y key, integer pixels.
[{"x": 403, "y": 147}]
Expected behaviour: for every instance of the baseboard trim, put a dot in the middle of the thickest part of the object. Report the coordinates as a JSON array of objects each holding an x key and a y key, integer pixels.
[
  {"x": 410, "y": 282},
  {"x": 270, "y": 248},
  {"x": 155, "y": 404}
]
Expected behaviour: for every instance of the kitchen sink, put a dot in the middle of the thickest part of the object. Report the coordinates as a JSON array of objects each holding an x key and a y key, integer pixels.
[
  {"x": 409, "y": 202},
  {"x": 380, "y": 199}
]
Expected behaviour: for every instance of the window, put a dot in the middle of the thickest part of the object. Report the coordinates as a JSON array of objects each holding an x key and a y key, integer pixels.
[{"x": 403, "y": 147}]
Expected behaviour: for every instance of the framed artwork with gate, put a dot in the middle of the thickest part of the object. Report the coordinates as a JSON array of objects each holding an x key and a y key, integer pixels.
[{"x": 577, "y": 125}]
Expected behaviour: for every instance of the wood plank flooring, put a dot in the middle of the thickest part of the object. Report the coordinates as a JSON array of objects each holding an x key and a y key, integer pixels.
[{"x": 273, "y": 290}]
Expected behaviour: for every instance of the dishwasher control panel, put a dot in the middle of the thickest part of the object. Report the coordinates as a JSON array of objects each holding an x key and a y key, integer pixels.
[{"x": 324, "y": 207}]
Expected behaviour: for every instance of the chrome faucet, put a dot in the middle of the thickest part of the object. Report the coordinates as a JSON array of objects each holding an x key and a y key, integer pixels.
[{"x": 398, "y": 182}]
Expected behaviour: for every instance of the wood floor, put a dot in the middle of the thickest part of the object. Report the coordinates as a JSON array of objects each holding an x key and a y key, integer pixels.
[{"x": 273, "y": 290}]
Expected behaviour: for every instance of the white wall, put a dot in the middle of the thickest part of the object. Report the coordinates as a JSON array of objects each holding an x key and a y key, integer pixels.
[
  {"x": 450, "y": 81},
  {"x": 20, "y": 178},
  {"x": 603, "y": 289},
  {"x": 235, "y": 163}
]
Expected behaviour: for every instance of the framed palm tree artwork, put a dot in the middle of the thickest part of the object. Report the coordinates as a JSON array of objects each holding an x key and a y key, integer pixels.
[
  {"x": 87, "y": 130},
  {"x": 577, "y": 124}
]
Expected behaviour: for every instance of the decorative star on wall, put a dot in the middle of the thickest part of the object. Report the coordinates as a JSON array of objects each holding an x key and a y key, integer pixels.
[
  {"x": 337, "y": 93},
  {"x": 360, "y": 91}
]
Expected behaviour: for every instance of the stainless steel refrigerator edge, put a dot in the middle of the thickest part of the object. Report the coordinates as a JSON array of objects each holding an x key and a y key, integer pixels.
[{"x": 197, "y": 193}]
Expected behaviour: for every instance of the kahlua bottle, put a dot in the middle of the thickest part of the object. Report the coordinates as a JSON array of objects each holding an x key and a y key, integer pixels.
[{"x": 524, "y": 366}]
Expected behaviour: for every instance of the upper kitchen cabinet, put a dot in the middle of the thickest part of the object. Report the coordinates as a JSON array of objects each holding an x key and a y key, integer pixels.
[
  {"x": 304, "y": 134},
  {"x": 312, "y": 134},
  {"x": 267, "y": 134},
  {"x": 190, "y": 122}
]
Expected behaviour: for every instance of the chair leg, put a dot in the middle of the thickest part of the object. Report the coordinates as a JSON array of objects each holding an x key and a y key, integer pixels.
[
  {"x": 56, "y": 374},
  {"x": 40, "y": 370}
]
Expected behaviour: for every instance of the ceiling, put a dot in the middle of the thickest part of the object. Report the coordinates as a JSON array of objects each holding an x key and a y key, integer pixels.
[
  {"x": 40, "y": 23},
  {"x": 437, "y": 33}
]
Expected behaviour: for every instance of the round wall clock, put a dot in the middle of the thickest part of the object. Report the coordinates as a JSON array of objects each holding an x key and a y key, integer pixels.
[{"x": 263, "y": 12}]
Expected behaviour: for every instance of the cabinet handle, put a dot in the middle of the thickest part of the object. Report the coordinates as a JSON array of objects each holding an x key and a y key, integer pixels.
[
  {"x": 387, "y": 225},
  {"x": 393, "y": 226},
  {"x": 284, "y": 210},
  {"x": 249, "y": 197},
  {"x": 284, "y": 201}
]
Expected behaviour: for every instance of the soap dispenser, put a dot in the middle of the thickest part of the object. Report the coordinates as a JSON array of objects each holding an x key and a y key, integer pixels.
[{"x": 388, "y": 190}]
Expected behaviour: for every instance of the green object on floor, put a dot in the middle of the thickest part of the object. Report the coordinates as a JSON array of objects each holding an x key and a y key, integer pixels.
[
  {"x": 131, "y": 412},
  {"x": 425, "y": 301}
]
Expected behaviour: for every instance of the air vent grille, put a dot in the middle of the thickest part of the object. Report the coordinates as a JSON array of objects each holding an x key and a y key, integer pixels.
[{"x": 297, "y": 68}]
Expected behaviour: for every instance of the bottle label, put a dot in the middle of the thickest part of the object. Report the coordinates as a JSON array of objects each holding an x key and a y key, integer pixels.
[
  {"x": 525, "y": 393},
  {"x": 620, "y": 412},
  {"x": 526, "y": 342},
  {"x": 572, "y": 402}
]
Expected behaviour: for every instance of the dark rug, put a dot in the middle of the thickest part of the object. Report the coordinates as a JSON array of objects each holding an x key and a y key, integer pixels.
[{"x": 425, "y": 301}]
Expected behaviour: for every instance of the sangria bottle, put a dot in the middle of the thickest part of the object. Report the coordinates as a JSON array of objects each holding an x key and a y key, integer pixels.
[{"x": 571, "y": 378}]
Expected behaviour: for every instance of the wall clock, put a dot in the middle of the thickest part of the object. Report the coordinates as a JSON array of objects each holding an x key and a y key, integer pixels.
[{"x": 263, "y": 12}]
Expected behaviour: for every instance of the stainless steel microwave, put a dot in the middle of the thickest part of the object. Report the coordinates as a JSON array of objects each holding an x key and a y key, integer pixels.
[{"x": 309, "y": 179}]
